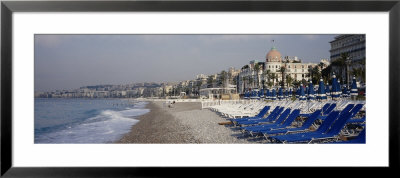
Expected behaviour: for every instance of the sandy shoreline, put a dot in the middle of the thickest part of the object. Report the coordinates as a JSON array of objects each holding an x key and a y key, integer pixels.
[
  {"x": 185, "y": 123},
  {"x": 157, "y": 126}
]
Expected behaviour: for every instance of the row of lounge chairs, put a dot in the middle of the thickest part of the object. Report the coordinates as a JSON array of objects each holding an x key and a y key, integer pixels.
[
  {"x": 337, "y": 122},
  {"x": 238, "y": 110}
]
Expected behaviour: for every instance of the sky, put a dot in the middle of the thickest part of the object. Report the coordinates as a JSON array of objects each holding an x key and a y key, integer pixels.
[{"x": 73, "y": 61}]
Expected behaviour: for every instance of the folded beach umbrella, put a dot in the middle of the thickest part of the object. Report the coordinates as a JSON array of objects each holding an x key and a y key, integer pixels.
[
  {"x": 280, "y": 93},
  {"x": 311, "y": 92},
  {"x": 335, "y": 92},
  {"x": 348, "y": 89},
  {"x": 298, "y": 92},
  {"x": 354, "y": 90},
  {"x": 302, "y": 96},
  {"x": 306, "y": 92},
  {"x": 253, "y": 94},
  {"x": 321, "y": 90},
  {"x": 327, "y": 91},
  {"x": 257, "y": 94},
  {"x": 268, "y": 95},
  {"x": 261, "y": 93},
  {"x": 290, "y": 92},
  {"x": 273, "y": 95},
  {"x": 344, "y": 92},
  {"x": 286, "y": 94}
]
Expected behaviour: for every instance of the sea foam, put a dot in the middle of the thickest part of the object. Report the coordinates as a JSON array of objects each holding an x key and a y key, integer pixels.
[{"x": 106, "y": 127}]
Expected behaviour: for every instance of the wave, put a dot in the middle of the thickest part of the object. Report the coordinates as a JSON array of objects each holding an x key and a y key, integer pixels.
[{"x": 106, "y": 127}]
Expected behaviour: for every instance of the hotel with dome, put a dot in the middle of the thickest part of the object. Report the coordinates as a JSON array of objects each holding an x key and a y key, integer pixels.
[{"x": 265, "y": 74}]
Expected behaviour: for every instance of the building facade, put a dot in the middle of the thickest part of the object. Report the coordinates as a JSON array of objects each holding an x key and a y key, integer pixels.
[
  {"x": 354, "y": 45},
  {"x": 257, "y": 75}
]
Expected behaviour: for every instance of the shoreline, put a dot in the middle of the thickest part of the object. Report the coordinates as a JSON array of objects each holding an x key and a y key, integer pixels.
[{"x": 157, "y": 126}]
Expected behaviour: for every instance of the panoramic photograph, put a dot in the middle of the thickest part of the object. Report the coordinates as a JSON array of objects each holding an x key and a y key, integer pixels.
[{"x": 200, "y": 89}]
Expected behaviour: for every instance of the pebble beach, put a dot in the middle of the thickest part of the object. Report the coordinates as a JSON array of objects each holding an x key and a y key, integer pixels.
[{"x": 183, "y": 123}]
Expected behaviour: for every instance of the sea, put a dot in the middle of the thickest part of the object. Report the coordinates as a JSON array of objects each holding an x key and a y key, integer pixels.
[{"x": 60, "y": 120}]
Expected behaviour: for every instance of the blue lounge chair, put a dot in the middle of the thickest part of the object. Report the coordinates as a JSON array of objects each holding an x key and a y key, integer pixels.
[
  {"x": 329, "y": 109},
  {"x": 325, "y": 107},
  {"x": 238, "y": 121},
  {"x": 304, "y": 127},
  {"x": 322, "y": 128},
  {"x": 289, "y": 120},
  {"x": 270, "y": 118},
  {"x": 356, "y": 109},
  {"x": 281, "y": 118},
  {"x": 345, "y": 110},
  {"x": 331, "y": 133},
  {"x": 258, "y": 116}
]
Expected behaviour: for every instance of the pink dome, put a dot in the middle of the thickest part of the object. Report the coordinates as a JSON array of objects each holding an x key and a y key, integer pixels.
[{"x": 274, "y": 55}]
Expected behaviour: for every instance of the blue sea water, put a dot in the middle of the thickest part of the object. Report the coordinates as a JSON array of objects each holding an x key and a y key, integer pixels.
[{"x": 84, "y": 120}]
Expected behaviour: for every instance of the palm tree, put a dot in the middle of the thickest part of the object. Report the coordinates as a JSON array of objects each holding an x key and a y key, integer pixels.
[
  {"x": 250, "y": 79},
  {"x": 266, "y": 76},
  {"x": 210, "y": 80},
  {"x": 362, "y": 67},
  {"x": 222, "y": 78},
  {"x": 198, "y": 87},
  {"x": 235, "y": 82},
  {"x": 321, "y": 65},
  {"x": 326, "y": 73},
  {"x": 244, "y": 83},
  {"x": 341, "y": 64},
  {"x": 273, "y": 77},
  {"x": 316, "y": 74},
  {"x": 270, "y": 84},
  {"x": 359, "y": 73},
  {"x": 257, "y": 69},
  {"x": 289, "y": 80},
  {"x": 296, "y": 83},
  {"x": 282, "y": 71}
]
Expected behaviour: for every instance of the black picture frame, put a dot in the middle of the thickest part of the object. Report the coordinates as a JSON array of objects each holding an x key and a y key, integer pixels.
[{"x": 8, "y": 7}]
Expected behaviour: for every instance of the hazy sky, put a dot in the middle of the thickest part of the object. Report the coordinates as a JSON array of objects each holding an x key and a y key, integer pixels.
[{"x": 72, "y": 61}]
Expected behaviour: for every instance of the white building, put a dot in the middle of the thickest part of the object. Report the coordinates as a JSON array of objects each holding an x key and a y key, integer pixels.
[{"x": 270, "y": 70}]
